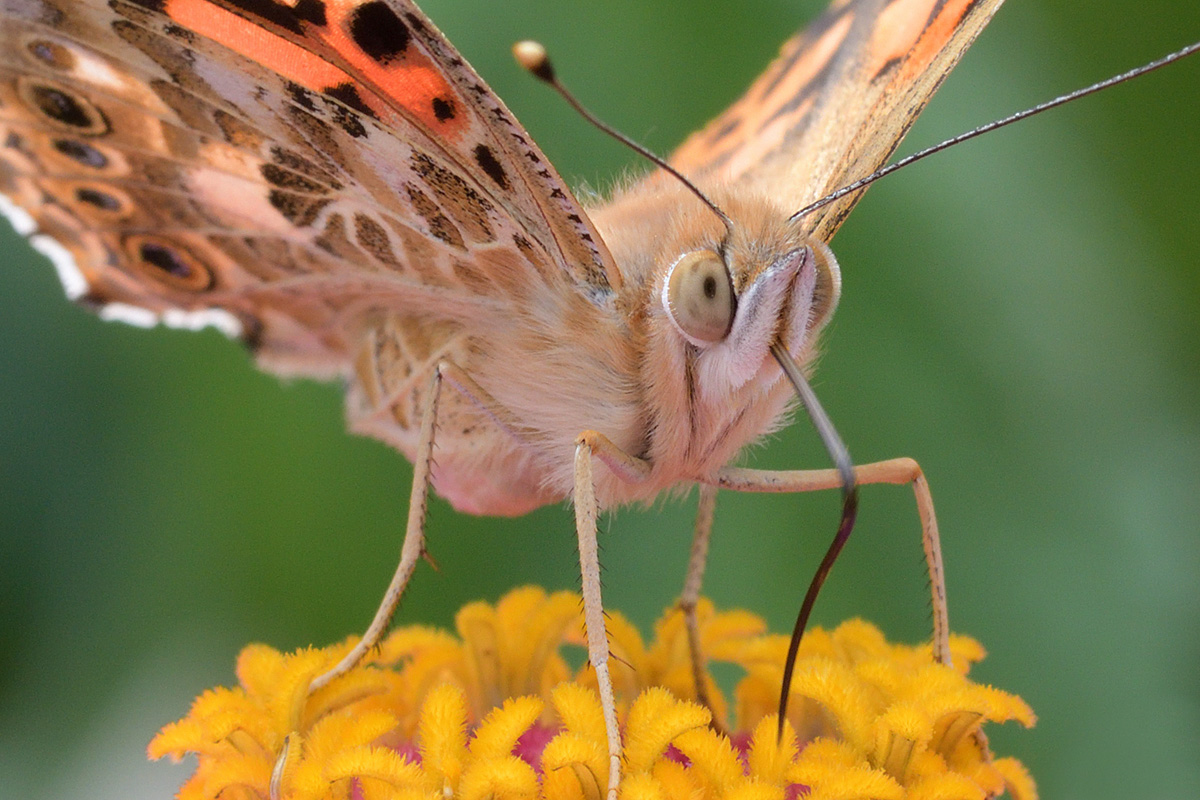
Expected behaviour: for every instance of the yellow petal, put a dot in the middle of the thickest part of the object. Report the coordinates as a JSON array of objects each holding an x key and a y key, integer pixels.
[
  {"x": 655, "y": 719},
  {"x": 574, "y": 768},
  {"x": 714, "y": 761},
  {"x": 834, "y": 770},
  {"x": 442, "y": 735},
  {"x": 507, "y": 778},
  {"x": 1016, "y": 778},
  {"x": 497, "y": 735},
  {"x": 768, "y": 759}
]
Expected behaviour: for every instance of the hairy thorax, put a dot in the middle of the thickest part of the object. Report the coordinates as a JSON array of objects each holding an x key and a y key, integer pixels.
[{"x": 561, "y": 364}]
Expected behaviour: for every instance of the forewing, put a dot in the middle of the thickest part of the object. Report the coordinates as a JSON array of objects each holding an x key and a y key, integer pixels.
[
  {"x": 836, "y": 103},
  {"x": 290, "y": 172}
]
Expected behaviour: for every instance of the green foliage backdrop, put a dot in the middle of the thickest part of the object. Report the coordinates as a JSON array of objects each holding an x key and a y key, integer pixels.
[{"x": 1019, "y": 315}]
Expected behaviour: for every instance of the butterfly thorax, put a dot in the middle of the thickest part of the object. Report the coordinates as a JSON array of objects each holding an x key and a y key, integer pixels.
[{"x": 564, "y": 363}]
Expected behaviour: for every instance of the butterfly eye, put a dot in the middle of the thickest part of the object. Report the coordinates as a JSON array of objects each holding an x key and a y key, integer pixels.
[{"x": 699, "y": 297}]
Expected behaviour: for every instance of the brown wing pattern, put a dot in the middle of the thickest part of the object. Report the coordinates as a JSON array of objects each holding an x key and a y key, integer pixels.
[
  {"x": 298, "y": 195},
  {"x": 837, "y": 102}
]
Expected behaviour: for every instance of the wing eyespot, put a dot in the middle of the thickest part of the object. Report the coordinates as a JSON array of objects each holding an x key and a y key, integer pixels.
[
  {"x": 106, "y": 200},
  {"x": 51, "y": 54},
  {"x": 81, "y": 153},
  {"x": 169, "y": 264},
  {"x": 699, "y": 297},
  {"x": 62, "y": 107}
]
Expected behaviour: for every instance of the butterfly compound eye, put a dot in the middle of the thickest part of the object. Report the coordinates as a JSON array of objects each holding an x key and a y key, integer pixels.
[{"x": 699, "y": 297}]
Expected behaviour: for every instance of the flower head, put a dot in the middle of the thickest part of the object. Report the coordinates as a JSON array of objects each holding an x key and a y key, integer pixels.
[{"x": 495, "y": 712}]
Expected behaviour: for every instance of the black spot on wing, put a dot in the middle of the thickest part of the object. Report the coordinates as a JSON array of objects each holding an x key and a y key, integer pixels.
[
  {"x": 101, "y": 200},
  {"x": 300, "y": 210},
  {"x": 378, "y": 32},
  {"x": 438, "y": 224},
  {"x": 297, "y": 163},
  {"x": 372, "y": 237},
  {"x": 300, "y": 96},
  {"x": 65, "y": 109},
  {"x": 443, "y": 109},
  {"x": 171, "y": 265},
  {"x": 346, "y": 119},
  {"x": 164, "y": 259},
  {"x": 348, "y": 93},
  {"x": 888, "y": 67},
  {"x": 286, "y": 179},
  {"x": 180, "y": 34},
  {"x": 311, "y": 11},
  {"x": 82, "y": 153},
  {"x": 416, "y": 23},
  {"x": 288, "y": 16},
  {"x": 486, "y": 160}
]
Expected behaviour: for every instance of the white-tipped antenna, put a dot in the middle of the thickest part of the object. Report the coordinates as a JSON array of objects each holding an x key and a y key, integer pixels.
[
  {"x": 533, "y": 58},
  {"x": 991, "y": 126}
]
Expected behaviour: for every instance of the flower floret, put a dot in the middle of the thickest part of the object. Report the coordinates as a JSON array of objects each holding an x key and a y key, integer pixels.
[{"x": 494, "y": 713}]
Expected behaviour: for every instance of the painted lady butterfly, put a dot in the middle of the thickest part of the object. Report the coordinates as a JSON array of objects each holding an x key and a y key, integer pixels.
[{"x": 355, "y": 234}]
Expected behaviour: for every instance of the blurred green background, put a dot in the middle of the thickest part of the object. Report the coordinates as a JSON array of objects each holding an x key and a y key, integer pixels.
[{"x": 1020, "y": 315}]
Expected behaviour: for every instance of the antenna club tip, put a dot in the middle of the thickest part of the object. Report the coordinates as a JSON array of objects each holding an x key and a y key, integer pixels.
[{"x": 532, "y": 57}]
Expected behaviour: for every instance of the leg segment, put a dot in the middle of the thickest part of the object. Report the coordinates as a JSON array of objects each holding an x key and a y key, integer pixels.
[
  {"x": 590, "y": 444},
  {"x": 896, "y": 471},
  {"x": 690, "y": 596},
  {"x": 413, "y": 548},
  {"x": 414, "y": 539}
]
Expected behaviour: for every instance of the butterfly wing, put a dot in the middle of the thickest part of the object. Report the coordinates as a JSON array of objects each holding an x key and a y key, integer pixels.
[
  {"x": 836, "y": 103},
  {"x": 289, "y": 171}
]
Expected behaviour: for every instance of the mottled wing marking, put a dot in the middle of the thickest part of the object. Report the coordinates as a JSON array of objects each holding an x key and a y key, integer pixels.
[
  {"x": 408, "y": 75},
  {"x": 263, "y": 184},
  {"x": 836, "y": 103},
  {"x": 585, "y": 253}
]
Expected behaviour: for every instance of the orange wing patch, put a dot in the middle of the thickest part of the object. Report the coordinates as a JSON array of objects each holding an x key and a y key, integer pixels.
[
  {"x": 379, "y": 45},
  {"x": 256, "y": 43},
  {"x": 837, "y": 101},
  {"x": 916, "y": 39},
  {"x": 373, "y": 41}
]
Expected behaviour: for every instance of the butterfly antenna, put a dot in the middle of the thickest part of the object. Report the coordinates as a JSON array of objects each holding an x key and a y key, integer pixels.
[
  {"x": 533, "y": 58},
  {"x": 991, "y": 126},
  {"x": 841, "y": 458}
]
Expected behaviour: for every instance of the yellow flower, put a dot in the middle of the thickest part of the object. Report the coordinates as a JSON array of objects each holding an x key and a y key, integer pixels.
[{"x": 495, "y": 714}]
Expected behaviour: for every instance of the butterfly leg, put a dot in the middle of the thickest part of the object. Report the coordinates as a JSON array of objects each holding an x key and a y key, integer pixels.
[
  {"x": 589, "y": 445},
  {"x": 413, "y": 547},
  {"x": 895, "y": 471},
  {"x": 689, "y": 598}
]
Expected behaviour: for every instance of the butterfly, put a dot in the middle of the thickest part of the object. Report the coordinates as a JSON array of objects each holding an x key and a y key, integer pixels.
[{"x": 293, "y": 333}]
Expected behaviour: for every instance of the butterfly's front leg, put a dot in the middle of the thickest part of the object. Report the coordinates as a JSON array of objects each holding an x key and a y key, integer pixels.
[
  {"x": 896, "y": 471},
  {"x": 413, "y": 548},
  {"x": 689, "y": 598},
  {"x": 589, "y": 445}
]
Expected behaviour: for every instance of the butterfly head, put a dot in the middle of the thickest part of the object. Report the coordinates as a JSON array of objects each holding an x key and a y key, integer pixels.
[{"x": 730, "y": 295}]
